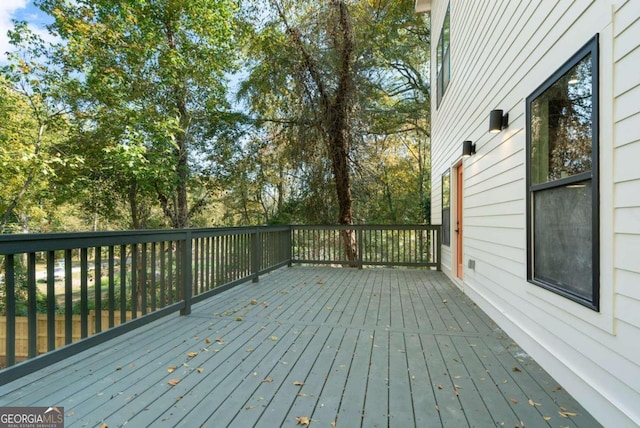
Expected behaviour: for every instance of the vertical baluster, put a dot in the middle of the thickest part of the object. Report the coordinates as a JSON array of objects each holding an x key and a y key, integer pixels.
[
  {"x": 68, "y": 298},
  {"x": 10, "y": 290},
  {"x": 97, "y": 284},
  {"x": 32, "y": 305},
  {"x": 51, "y": 301},
  {"x": 112, "y": 286},
  {"x": 84, "y": 294}
]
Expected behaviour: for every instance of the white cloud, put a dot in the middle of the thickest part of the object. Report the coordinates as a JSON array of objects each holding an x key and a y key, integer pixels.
[{"x": 8, "y": 9}]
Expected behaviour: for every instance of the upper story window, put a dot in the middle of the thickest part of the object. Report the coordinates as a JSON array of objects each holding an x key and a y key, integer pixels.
[
  {"x": 562, "y": 180},
  {"x": 443, "y": 67}
]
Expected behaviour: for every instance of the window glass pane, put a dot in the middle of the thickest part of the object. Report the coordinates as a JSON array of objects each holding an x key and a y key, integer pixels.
[
  {"x": 446, "y": 212},
  {"x": 563, "y": 238},
  {"x": 561, "y": 126}
]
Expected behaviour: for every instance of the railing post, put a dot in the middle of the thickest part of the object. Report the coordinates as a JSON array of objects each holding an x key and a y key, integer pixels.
[
  {"x": 255, "y": 255},
  {"x": 187, "y": 273},
  {"x": 360, "y": 246},
  {"x": 290, "y": 246},
  {"x": 438, "y": 247}
]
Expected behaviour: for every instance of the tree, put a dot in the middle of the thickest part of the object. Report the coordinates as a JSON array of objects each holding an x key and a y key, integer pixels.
[
  {"x": 330, "y": 78},
  {"x": 146, "y": 84},
  {"x": 32, "y": 130}
]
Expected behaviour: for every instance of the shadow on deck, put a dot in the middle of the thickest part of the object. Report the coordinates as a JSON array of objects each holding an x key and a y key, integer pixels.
[{"x": 341, "y": 347}]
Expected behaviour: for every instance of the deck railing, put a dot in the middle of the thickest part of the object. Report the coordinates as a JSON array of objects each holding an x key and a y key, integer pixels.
[
  {"x": 369, "y": 245},
  {"x": 63, "y": 293}
]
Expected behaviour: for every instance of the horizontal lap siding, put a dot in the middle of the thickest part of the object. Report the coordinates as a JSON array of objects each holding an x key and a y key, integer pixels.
[
  {"x": 626, "y": 127},
  {"x": 501, "y": 51}
]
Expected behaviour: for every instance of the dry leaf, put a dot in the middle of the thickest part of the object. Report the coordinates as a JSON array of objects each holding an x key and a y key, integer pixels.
[
  {"x": 207, "y": 340},
  {"x": 254, "y": 302},
  {"x": 274, "y": 338},
  {"x": 238, "y": 318},
  {"x": 249, "y": 350},
  {"x": 170, "y": 369},
  {"x": 333, "y": 424},
  {"x": 320, "y": 282},
  {"x": 516, "y": 369},
  {"x": 118, "y": 368},
  {"x": 533, "y": 403},
  {"x": 268, "y": 379},
  {"x": 192, "y": 354},
  {"x": 200, "y": 369},
  {"x": 173, "y": 382},
  {"x": 513, "y": 400},
  {"x": 303, "y": 420},
  {"x": 440, "y": 386},
  {"x": 249, "y": 407},
  {"x": 298, "y": 383},
  {"x": 566, "y": 414},
  {"x": 104, "y": 426},
  {"x": 546, "y": 418},
  {"x": 219, "y": 340}
]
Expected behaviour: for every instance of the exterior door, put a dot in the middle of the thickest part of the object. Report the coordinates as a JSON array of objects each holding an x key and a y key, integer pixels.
[{"x": 459, "y": 226}]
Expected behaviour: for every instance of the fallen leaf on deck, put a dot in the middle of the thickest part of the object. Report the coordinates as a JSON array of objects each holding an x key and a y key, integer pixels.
[
  {"x": 249, "y": 350},
  {"x": 274, "y": 338},
  {"x": 298, "y": 383},
  {"x": 104, "y": 426},
  {"x": 264, "y": 304},
  {"x": 173, "y": 382},
  {"x": 444, "y": 301},
  {"x": 254, "y": 302},
  {"x": 170, "y": 369},
  {"x": 118, "y": 368},
  {"x": 333, "y": 424},
  {"x": 218, "y": 340},
  {"x": 192, "y": 354},
  {"x": 249, "y": 407},
  {"x": 207, "y": 340},
  {"x": 268, "y": 379},
  {"x": 566, "y": 414},
  {"x": 440, "y": 386},
  {"x": 546, "y": 418},
  {"x": 303, "y": 420},
  {"x": 533, "y": 403},
  {"x": 71, "y": 414},
  {"x": 200, "y": 369},
  {"x": 320, "y": 282},
  {"x": 516, "y": 369},
  {"x": 513, "y": 400},
  {"x": 238, "y": 318}
]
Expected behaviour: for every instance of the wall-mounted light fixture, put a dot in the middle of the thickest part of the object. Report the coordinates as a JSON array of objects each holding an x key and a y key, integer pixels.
[
  {"x": 468, "y": 148},
  {"x": 498, "y": 121}
]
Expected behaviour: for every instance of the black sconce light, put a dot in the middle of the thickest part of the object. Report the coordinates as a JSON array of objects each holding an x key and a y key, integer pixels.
[
  {"x": 468, "y": 148},
  {"x": 498, "y": 121}
]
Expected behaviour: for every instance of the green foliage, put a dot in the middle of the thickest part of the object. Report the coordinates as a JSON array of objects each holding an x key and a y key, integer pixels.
[{"x": 125, "y": 121}]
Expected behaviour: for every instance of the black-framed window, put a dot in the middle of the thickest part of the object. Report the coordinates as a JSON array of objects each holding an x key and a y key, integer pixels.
[
  {"x": 562, "y": 180},
  {"x": 446, "y": 209},
  {"x": 443, "y": 63}
]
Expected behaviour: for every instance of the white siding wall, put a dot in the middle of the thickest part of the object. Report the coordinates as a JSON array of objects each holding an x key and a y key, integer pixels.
[{"x": 501, "y": 51}]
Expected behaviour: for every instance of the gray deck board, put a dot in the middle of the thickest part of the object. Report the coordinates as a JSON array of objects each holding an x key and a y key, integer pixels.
[{"x": 349, "y": 347}]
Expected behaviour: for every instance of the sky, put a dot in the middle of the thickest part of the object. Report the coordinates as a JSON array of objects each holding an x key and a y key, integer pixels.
[{"x": 22, "y": 10}]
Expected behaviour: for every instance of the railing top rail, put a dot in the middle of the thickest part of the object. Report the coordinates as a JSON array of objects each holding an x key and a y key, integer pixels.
[
  {"x": 366, "y": 226},
  {"x": 25, "y": 243}
]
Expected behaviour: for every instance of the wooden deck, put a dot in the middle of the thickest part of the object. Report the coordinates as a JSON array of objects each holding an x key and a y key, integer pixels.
[{"x": 341, "y": 347}]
